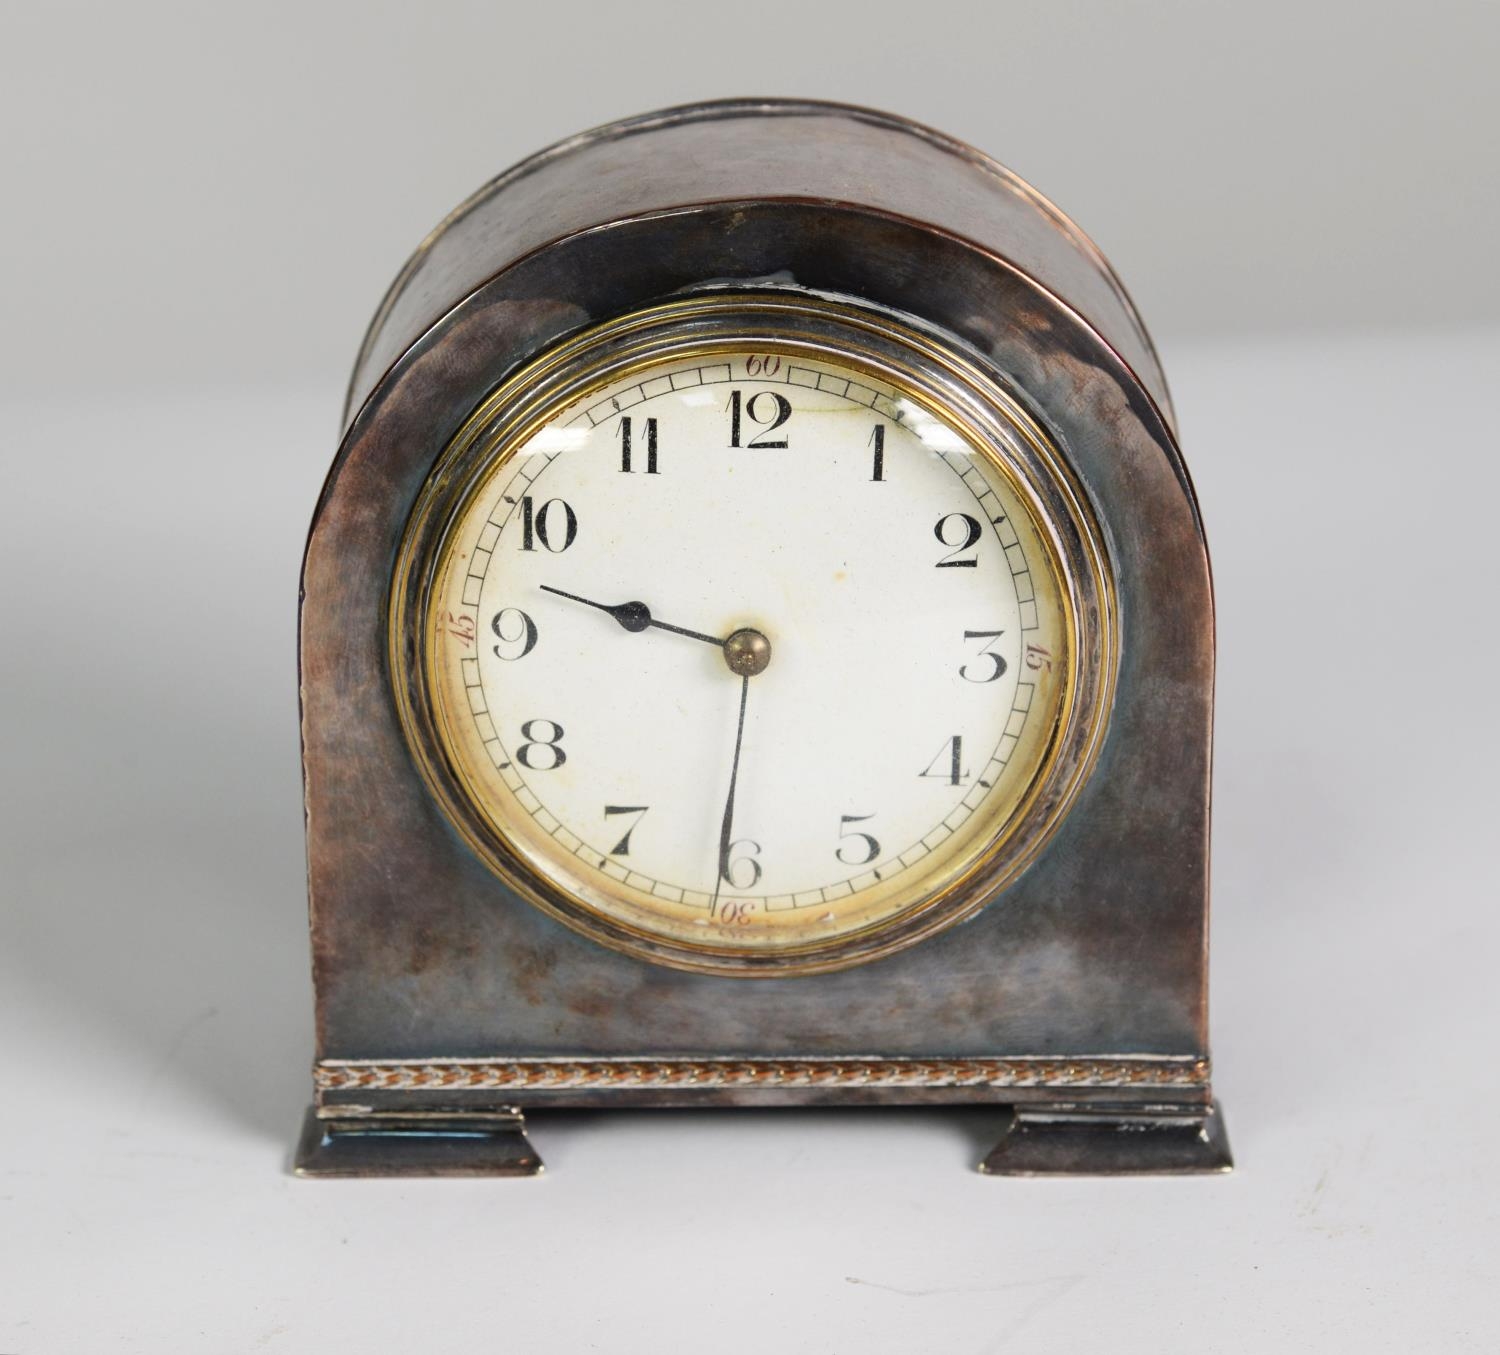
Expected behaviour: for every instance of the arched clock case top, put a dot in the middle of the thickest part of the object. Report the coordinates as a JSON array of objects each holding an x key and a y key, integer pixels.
[{"x": 1068, "y": 982}]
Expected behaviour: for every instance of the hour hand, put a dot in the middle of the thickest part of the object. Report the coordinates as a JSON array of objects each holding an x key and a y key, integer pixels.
[{"x": 634, "y": 616}]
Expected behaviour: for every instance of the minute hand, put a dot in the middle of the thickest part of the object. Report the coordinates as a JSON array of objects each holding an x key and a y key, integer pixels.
[
  {"x": 726, "y": 826},
  {"x": 635, "y": 616}
]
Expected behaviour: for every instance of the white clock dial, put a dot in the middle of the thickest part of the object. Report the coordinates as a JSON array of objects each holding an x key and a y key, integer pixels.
[{"x": 893, "y": 685}]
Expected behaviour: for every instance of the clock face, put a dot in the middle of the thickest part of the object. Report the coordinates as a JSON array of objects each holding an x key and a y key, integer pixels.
[{"x": 745, "y": 653}]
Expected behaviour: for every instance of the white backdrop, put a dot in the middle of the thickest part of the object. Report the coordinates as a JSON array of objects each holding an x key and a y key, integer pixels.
[
  {"x": 203, "y": 204},
  {"x": 221, "y": 192}
]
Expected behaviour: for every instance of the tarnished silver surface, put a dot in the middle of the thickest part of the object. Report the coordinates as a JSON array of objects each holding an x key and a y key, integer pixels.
[
  {"x": 1110, "y": 1139},
  {"x": 1097, "y": 952},
  {"x": 413, "y": 1142},
  {"x": 751, "y": 151}
]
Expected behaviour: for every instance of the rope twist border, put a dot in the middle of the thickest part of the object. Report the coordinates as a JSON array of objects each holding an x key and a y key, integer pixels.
[{"x": 564, "y": 1074}]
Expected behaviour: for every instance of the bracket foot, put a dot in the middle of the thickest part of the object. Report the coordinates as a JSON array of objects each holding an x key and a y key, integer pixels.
[
  {"x": 337, "y": 1142},
  {"x": 1095, "y": 1140}
]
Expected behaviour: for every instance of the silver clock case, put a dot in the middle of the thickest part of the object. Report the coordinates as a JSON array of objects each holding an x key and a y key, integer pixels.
[{"x": 1078, "y": 998}]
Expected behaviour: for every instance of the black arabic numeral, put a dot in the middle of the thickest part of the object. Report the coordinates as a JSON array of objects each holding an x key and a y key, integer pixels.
[
  {"x": 538, "y": 524},
  {"x": 872, "y": 845},
  {"x": 951, "y": 756},
  {"x": 622, "y": 847},
  {"x": 626, "y": 447},
  {"x": 970, "y": 529},
  {"x": 552, "y": 742},
  {"x": 526, "y": 637},
  {"x": 732, "y": 863},
  {"x": 756, "y": 410},
  {"x": 877, "y": 441},
  {"x": 997, "y": 661}
]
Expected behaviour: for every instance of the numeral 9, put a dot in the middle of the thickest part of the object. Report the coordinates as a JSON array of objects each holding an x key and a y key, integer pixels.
[{"x": 525, "y": 637}]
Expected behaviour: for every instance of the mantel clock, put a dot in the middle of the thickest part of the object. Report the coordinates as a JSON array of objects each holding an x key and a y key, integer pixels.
[{"x": 757, "y": 649}]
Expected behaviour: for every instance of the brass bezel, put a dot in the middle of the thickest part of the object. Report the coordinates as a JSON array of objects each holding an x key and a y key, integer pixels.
[{"x": 955, "y": 386}]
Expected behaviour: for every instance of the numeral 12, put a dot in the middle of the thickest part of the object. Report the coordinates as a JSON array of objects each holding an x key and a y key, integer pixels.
[{"x": 767, "y": 408}]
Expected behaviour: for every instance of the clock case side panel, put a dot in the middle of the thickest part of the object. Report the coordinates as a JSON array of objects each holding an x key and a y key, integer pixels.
[
  {"x": 748, "y": 150},
  {"x": 1084, "y": 983}
]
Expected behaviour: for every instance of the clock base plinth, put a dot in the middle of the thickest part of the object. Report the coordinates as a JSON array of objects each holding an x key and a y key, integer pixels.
[
  {"x": 1068, "y": 1139},
  {"x": 415, "y": 1143}
]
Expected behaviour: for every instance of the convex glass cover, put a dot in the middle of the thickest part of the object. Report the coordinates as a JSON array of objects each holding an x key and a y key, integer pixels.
[{"x": 747, "y": 647}]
